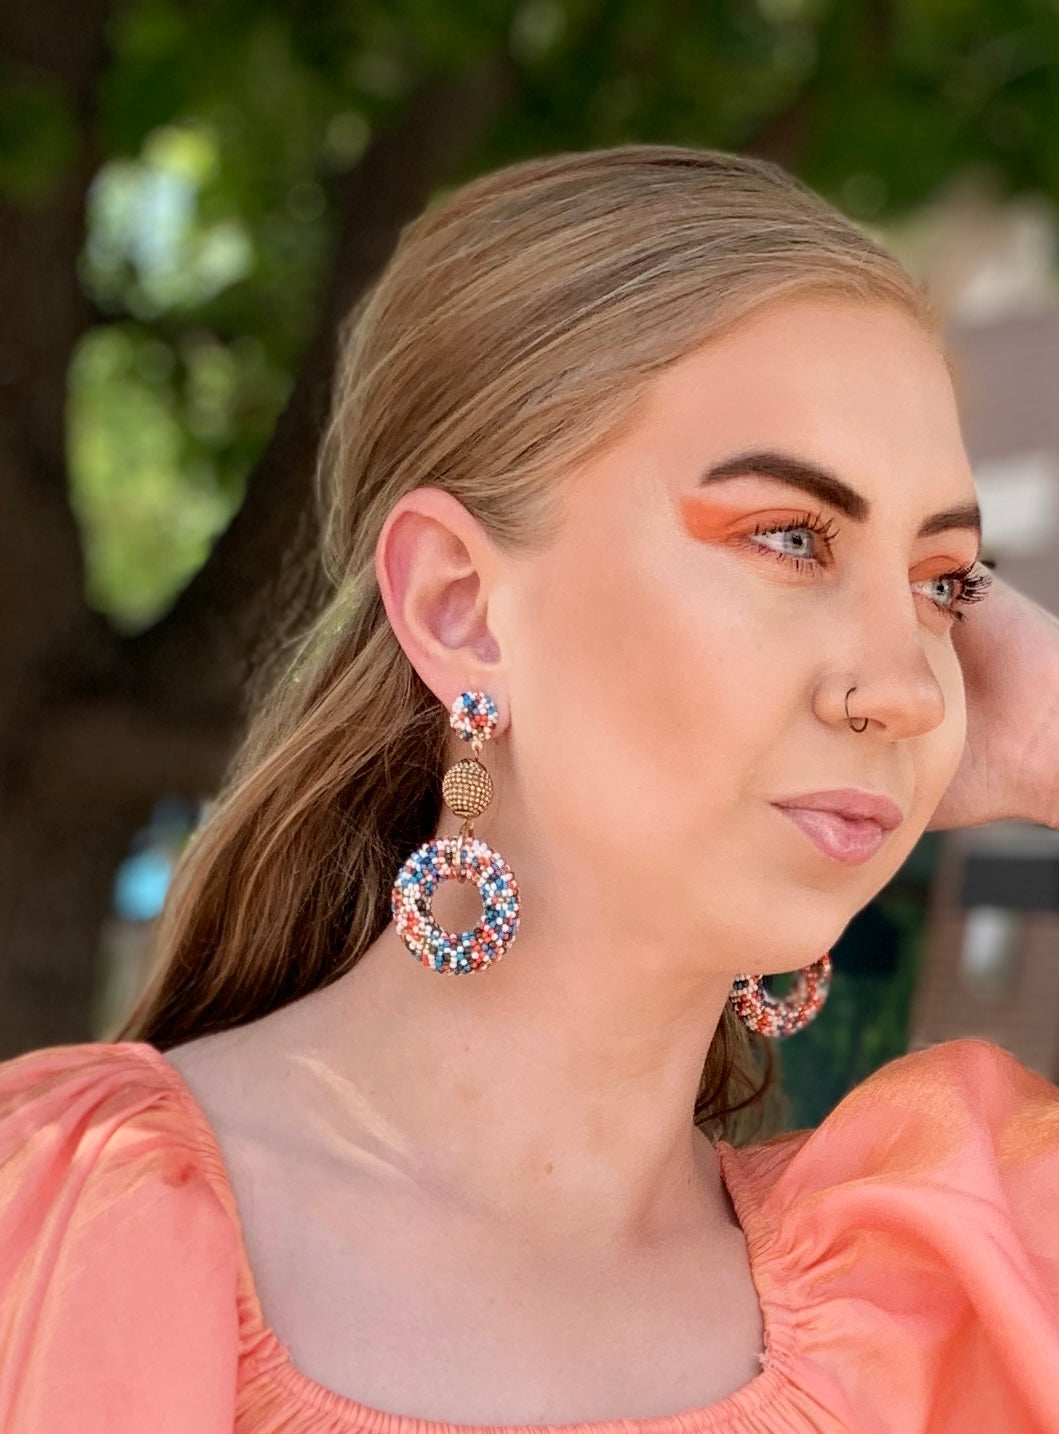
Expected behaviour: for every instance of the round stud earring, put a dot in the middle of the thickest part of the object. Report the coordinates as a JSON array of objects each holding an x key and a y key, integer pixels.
[{"x": 467, "y": 789}]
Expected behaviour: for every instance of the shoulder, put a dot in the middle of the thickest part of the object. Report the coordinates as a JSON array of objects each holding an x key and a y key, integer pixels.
[
  {"x": 116, "y": 1243},
  {"x": 129, "y": 1074},
  {"x": 915, "y": 1230},
  {"x": 963, "y": 1110},
  {"x": 79, "y": 1111},
  {"x": 963, "y": 1116}
]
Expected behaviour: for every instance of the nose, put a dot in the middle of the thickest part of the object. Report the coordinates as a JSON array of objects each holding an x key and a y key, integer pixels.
[{"x": 896, "y": 686}]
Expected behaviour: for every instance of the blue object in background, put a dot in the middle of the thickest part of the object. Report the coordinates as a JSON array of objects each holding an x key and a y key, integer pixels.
[
  {"x": 142, "y": 879},
  {"x": 141, "y": 884}
]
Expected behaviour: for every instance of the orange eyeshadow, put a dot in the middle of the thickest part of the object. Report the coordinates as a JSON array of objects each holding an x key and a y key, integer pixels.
[{"x": 703, "y": 518}]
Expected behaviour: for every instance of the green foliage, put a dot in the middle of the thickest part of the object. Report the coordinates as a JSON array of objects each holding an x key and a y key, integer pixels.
[
  {"x": 159, "y": 440},
  {"x": 151, "y": 247},
  {"x": 224, "y": 126}
]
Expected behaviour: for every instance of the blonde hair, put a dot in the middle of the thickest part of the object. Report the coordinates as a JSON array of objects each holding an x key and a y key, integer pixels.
[{"x": 509, "y": 336}]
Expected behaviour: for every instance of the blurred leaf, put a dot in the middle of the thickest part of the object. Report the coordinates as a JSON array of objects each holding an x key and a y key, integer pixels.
[{"x": 160, "y": 440}]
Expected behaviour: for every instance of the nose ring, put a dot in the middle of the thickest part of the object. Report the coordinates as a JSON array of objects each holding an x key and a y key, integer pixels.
[{"x": 849, "y": 719}]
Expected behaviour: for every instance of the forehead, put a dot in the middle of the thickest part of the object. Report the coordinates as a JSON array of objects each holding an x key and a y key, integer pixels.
[{"x": 862, "y": 386}]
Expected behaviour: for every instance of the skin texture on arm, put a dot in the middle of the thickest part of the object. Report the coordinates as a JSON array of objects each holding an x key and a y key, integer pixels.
[{"x": 1009, "y": 653}]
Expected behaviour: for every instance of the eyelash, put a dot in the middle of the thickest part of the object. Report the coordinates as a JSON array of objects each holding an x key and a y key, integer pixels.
[{"x": 973, "y": 586}]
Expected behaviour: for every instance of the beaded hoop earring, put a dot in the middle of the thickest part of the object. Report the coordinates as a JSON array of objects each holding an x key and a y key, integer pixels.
[
  {"x": 467, "y": 790},
  {"x": 771, "y": 1015}
]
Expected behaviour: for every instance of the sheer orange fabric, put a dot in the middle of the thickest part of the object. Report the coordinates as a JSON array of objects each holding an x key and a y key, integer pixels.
[{"x": 905, "y": 1253}]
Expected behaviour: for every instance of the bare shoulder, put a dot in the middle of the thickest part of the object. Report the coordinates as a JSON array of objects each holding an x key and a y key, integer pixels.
[
  {"x": 260, "y": 1083},
  {"x": 212, "y": 1063},
  {"x": 233, "y": 1074}
]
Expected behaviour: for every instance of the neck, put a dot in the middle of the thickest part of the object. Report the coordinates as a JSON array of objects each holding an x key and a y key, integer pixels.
[{"x": 559, "y": 1083}]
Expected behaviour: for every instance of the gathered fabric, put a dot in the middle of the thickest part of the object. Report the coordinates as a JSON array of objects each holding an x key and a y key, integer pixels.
[{"x": 905, "y": 1254}]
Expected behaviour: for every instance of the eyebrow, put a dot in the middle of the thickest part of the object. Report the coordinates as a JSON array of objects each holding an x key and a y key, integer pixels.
[{"x": 826, "y": 486}]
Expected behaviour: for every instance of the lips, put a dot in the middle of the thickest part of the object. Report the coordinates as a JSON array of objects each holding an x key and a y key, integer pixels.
[
  {"x": 850, "y": 841},
  {"x": 852, "y": 803}
]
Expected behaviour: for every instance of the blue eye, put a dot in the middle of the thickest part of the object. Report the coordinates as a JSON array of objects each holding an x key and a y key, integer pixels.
[{"x": 972, "y": 586}]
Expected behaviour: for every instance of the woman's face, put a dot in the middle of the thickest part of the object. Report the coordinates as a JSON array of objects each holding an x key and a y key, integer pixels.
[{"x": 666, "y": 675}]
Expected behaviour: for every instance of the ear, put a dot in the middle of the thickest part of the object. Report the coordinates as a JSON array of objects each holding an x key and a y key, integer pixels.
[{"x": 434, "y": 562}]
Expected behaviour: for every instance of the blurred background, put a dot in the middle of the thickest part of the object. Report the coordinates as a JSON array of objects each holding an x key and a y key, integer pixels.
[{"x": 192, "y": 195}]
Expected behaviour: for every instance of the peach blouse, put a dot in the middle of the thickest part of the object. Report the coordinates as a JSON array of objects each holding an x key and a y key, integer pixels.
[{"x": 905, "y": 1255}]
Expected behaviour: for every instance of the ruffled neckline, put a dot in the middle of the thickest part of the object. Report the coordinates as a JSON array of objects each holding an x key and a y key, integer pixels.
[{"x": 773, "y": 1271}]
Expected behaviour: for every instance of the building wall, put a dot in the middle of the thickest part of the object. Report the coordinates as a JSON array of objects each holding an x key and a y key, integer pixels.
[{"x": 997, "y": 978}]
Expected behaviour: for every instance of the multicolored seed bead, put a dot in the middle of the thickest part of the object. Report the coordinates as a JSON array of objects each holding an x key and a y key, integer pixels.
[
  {"x": 418, "y": 880},
  {"x": 473, "y": 714},
  {"x": 780, "y": 1016}
]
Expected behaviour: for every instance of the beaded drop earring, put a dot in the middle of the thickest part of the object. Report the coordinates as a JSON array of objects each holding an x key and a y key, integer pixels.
[
  {"x": 771, "y": 1015},
  {"x": 467, "y": 789}
]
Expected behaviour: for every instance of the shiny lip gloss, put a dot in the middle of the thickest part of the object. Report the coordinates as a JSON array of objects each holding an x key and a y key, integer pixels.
[{"x": 842, "y": 839}]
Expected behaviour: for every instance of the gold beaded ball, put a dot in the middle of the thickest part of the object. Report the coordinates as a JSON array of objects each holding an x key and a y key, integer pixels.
[{"x": 467, "y": 788}]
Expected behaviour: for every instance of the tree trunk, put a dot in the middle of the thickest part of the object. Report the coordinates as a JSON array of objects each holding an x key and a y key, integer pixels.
[{"x": 94, "y": 728}]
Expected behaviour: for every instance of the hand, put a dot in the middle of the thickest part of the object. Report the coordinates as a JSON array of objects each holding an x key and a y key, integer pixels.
[{"x": 1008, "y": 648}]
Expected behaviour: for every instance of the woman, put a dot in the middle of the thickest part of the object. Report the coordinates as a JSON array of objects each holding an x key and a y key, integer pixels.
[{"x": 646, "y": 491}]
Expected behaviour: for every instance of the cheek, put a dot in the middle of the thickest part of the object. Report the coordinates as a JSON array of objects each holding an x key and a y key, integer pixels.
[
  {"x": 941, "y": 751},
  {"x": 641, "y": 688}
]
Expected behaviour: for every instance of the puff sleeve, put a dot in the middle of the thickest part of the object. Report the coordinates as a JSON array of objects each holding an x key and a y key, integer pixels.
[
  {"x": 920, "y": 1224},
  {"x": 118, "y": 1266}
]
